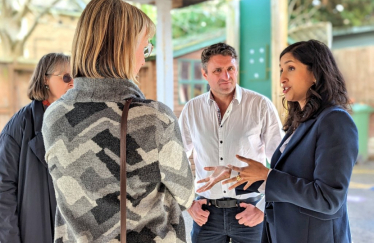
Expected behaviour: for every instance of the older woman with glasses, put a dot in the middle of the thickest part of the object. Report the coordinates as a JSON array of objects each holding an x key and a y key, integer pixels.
[
  {"x": 82, "y": 138},
  {"x": 27, "y": 198}
]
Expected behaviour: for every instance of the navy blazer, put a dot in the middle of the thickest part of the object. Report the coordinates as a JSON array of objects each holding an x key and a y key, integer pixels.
[
  {"x": 306, "y": 191},
  {"x": 27, "y": 197}
]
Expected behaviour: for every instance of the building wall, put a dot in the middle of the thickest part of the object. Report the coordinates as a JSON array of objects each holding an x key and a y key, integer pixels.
[
  {"x": 196, "y": 55},
  {"x": 357, "y": 67},
  {"x": 14, "y": 79},
  {"x": 53, "y": 34},
  {"x": 358, "y": 39},
  {"x": 148, "y": 81}
]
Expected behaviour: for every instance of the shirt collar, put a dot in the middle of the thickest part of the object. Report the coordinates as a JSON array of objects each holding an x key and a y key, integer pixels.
[{"x": 237, "y": 95}]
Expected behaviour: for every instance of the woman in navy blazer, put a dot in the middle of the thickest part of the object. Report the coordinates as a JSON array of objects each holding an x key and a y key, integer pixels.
[{"x": 306, "y": 187}]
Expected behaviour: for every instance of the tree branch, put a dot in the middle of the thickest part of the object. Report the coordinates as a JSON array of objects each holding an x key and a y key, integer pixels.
[
  {"x": 291, "y": 6},
  {"x": 8, "y": 42},
  {"x": 312, "y": 12},
  {"x": 305, "y": 16},
  {"x": 5, "y": 10},
  {"x": 79, "y": 3},
  {"x": 36, "y": 21},
  {"x": 25, "y": 8},
  {"x": 298, "y": 10},
  {"x": 307, "y": 4}
]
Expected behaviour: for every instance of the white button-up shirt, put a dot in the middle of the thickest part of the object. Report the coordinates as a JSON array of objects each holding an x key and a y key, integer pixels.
[{"x": 250, "y": 127}]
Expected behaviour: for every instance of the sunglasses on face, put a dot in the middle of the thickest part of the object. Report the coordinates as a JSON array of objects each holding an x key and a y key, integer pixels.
[
  {"x": 148, "y": 50},
  {"x": 65, "y": 77}
]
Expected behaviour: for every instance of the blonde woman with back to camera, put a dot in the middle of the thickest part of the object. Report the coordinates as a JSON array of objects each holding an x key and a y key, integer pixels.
[{"x": 82, "y": 138}]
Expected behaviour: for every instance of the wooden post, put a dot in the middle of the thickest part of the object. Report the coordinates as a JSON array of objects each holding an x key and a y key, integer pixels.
[
  {"x": 233, "y": 26},
  {"x": 279, "y": 33},
  {"x": 164, "y": 54}
]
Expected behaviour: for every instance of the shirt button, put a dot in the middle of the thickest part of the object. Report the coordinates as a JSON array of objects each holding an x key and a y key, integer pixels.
[
  {"x": 221, "y": 158},
  {"x": 221, "y": 125},
  {"x": 221, "y": 141},
  {"x": 224, "y": 191}
]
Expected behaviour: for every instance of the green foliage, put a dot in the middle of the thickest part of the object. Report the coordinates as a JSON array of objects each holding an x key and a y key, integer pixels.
[
  {"x": 194, "y": 19},
  {"x": 211, "y": 15},
  {"x": 150, "y": 10},
  {"x": 355, "y": 13},
  {"x": 199, "y": 18}
]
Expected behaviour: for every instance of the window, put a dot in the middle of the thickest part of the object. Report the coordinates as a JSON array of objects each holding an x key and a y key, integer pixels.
[{"x": 191, "y": 82}]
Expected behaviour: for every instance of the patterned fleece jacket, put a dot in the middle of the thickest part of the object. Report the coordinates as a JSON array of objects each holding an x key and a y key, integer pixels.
[{"x": 82, "y": 141}]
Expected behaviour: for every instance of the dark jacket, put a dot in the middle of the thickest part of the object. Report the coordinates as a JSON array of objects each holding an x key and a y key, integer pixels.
[
  {"x": 306, "y": 191},
  {"x": 27, "y": 198}
]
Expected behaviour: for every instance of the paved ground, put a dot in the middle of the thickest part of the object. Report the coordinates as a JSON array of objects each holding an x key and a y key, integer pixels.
[
  {"x": 188, "y": 221},
  {"x": 360, "y": 205}
]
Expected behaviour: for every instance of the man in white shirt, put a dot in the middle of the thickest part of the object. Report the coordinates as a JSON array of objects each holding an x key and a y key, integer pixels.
[{"x": 217, "y": 125}]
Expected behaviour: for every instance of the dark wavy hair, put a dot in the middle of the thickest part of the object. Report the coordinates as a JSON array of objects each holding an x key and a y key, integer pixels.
[{"x": 329, "y": 89}]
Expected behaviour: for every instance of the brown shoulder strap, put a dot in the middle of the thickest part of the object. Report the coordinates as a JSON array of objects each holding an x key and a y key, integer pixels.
[{"x": 123, "y": 169}]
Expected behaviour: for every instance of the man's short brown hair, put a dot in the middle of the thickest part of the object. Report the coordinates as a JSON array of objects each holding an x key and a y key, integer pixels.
[{"x": 216, "y": 49}]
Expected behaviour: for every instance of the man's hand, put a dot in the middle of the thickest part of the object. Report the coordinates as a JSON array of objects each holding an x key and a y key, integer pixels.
[
  {"x": 251, "y": 216},
  {"x": 197, "y": 213},
  {"x": 219, "y": 173}
]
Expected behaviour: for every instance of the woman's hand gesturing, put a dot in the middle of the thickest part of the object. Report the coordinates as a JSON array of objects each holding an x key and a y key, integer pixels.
[{"x": 254, "y": 171}]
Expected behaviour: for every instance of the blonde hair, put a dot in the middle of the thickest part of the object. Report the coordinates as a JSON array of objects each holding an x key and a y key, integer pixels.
[
  {"x": 106, "y": 38},
  {"x": 47, "y": 65}
]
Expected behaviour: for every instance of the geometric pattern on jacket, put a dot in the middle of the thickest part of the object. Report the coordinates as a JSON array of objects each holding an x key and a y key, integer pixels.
[{"x": 82, "y": 139}]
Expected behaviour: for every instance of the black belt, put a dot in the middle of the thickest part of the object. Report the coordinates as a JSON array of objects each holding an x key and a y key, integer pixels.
[{"x": 231, "y": 202}]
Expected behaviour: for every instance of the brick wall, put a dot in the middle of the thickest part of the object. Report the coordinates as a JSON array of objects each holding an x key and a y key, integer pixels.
[
  {"x": 14, "y": 79},
  {"x": 53, "y": 34},
  {"x": 196, "y": 55},
  {"x": 148, "y": 81},
  {"x": 178, "y": 107}
]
